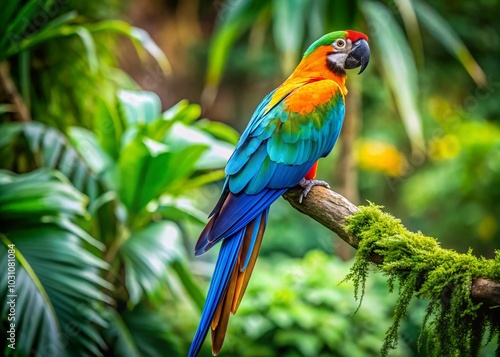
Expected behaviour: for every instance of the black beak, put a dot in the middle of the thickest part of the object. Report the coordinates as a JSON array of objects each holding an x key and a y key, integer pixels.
[{"x": 359, "y": 56}]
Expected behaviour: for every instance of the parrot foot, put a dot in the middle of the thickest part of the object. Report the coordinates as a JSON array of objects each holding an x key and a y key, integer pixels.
[{"x": 307, "y": 185}]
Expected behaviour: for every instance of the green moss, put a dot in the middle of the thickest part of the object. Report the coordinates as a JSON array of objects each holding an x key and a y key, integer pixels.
[{"x": 454, "y": 324}]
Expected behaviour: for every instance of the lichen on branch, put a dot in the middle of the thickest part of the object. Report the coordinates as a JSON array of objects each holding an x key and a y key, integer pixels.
[{"x": 454, "y": 324}]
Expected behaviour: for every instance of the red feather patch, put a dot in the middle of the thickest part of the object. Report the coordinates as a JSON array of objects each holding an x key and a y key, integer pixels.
[{"x": 355, "y": 35}]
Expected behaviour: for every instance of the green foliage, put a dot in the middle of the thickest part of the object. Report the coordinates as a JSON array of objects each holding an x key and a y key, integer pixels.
[
  {"x": 57, "y": 295},
  {"x": 138, "y": 178},
  {"x": 462, "y": 177},
  {"x": 296, "y": 307},
  {"x": 454, "y": 324},
  {"x": 63, "y": 87}
]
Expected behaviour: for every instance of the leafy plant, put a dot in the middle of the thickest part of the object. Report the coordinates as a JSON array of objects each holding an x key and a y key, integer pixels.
[
  {"x": 296, "y": 307},
  {"x": 36, "y": 31},
  {"x": 130, "y": 248},
  {"x": 58, "y": 269}
]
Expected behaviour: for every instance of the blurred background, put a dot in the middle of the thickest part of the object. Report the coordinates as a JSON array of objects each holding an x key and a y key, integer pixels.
[{"x": 117, "y": 118}]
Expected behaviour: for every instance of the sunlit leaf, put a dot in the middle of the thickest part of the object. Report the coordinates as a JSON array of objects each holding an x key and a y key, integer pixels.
[
  {"x": 89, "y": 45},
  {"x": 148, "y": 167},
  {"x": 407, "y": 11},
  {"x": 139, "y": 38},
  {"x": 219, "y": 130},
  {"x": 439, "y": 28},
  {"x": 140, "y": 107},
  {"x": 85, "y": 142},
  {"x": 181, "y": 136},
  {"x": 288, "y": 29},
  {"x": 147, "y": 254},
  {"x": 235, "y": 19},
  {"x": 178, "y": 209},
  {"x": 49, "y": 148},
  {"x": 399, "y": 68}
]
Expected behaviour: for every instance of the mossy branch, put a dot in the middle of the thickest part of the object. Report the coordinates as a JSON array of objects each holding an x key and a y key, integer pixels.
[{"x": 463, "y": 290}]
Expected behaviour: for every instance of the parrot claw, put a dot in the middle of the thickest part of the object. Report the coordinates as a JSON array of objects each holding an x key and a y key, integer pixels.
[{"x": 307, "y": 185}]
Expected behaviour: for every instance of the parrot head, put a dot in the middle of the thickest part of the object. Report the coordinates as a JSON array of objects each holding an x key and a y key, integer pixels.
[{"x": 343, "y": 49}]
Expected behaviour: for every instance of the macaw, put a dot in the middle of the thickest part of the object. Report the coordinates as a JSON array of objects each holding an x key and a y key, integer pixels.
[{"x": 294, "y": 125}]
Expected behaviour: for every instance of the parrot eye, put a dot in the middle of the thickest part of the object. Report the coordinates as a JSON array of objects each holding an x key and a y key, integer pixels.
[{"x": 340, "y": 43}]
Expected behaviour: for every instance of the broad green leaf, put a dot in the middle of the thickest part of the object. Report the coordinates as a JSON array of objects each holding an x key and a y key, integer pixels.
[
  {"x": 57, "y": 276},
  {"x": 87, "y": 145},
  {"x": 399, "y": 68},
  {"x": 50, "y": 148},
  {"x": 183, "y": 111},
  {"x": 181, "y": 136},
  {"x": 110, "y": 126},
  {"x": 38, "y": 194},
  {"x": 219, "y": 130},
  {"x": 146, "y": 255},
  {"x": 178, "y": 209},
  {"x": 147, "y": 168},
  {"x": 140, "y": 107}
]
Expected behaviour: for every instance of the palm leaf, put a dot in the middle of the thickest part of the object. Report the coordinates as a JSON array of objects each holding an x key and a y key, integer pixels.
[
  {"x": 147, "y": 255},
  {"x": 407, "y": 11},
  {"x": 43, "y": 146},
  {"x": 237, "y": 17},
  {"x": 56, "y": 273},
  {"x": 119, "y": 336},
  {"x": 140, "y": 39},
  {"x": 399, "y": 68},
  {"x": 444, "y": 33}
]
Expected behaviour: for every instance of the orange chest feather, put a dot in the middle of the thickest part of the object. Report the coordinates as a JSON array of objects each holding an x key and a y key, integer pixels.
[{"x": 303, "y": 98}]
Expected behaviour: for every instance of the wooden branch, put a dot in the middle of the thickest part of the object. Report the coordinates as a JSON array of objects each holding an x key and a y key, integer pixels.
[
  {"x": 331, "y": 210},
  {"x": 10, "y": 95}
]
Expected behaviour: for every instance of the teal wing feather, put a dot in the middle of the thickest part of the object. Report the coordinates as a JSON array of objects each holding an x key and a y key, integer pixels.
[{"x": 279, "y": 146}]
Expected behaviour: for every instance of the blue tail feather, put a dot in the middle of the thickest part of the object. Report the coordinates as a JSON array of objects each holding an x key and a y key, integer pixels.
[{"x": 225, "y": 264}]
